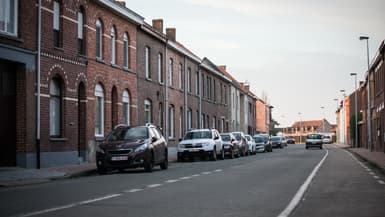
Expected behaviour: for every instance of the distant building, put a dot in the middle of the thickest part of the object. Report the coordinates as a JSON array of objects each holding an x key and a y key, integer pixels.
[{"x": 300, "y": 129}]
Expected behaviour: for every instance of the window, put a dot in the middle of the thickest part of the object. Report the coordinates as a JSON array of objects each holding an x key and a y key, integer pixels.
[
  {"x": 147, "y": 63},
  {"x": 189, "y": 118},
  {"x": 126, "y": 107},
  {"x": 55, "y": 108},
  {"x": 198, "y": 121},
  {"x": 180, "y": 76},
  {"x": 197, "y": 82},
  {"x": 8, "y": 17},
  {"x": 126, "y": 51},
  {"x": 113, "y": 46},
  {"x": 99, "y": 110},
  {"x": 160, "y": 68},
  {"x": 225, "y": 87},
  {"x": 171, "y": 70},
  {"x": 223, "y": 125},
  {"x": 171, "y": 122},
  {"x": 189, "y": 80},
  {"x": 81, "y": 43},
  {"x": 203, "y": 85},
  {"x": 56, "y": 24},
  {"x": 99, "y": 39},
  {"x": 215, "y": 92},
  {"x": 160, "y": 114},
  {"x": 147, "y": 111},
  {"x": 202, "y": 122},
  {"x": 221, "y": 97},
  {"x": 208, "y": 88},
  {"x": 214, "y": 122},
  {"x": 181, "y": 123}
]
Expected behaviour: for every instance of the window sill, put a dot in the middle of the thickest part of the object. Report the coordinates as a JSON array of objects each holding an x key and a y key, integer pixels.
[
  {"x": 58, "y": 48},
  {"x": 115, "y": 66},
  {"x": 57, "y": 139},
  {"x": 100, "y": 60},
  {"x": 149, "y": 79},
  {"x": 171, "y": 139},
  {"x": 99, "y": 138},
  {"x": 11, "y": 37}
]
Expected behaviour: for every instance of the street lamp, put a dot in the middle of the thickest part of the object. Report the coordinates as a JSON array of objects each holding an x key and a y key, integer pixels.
[
  {"x": 343, "y": 124},
  {"x": 300, "y": 128},
  {"x": 355, "y": 109},
  {"x": 368, "y": 126},
  {"x": 323, "y": 119},
  {"x": 336, "y": 102}
]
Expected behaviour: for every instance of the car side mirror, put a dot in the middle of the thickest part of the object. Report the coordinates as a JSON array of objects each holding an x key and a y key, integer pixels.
[
  {"x": 232, "y": 140},
  {"x": 180, "y": 139},
  {"x": 216, "y": 138},
  {"x": 154, "y": 139}
]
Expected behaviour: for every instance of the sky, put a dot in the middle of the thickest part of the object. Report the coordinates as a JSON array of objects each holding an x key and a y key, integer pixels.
[{"x": 299, "y": 52}]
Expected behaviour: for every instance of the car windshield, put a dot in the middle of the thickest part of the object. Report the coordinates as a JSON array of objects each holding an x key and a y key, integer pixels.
[
  {"x": 248, "y": 138},
  {"x": 198, "y": 135},
  {"x": 225, "y": 137},
  {"x": 128, "y": 133},
  {"x": 276, "y": 139},
  {"x": 314, "y": 136},
  {"x": 238, "y": 136},
  {"x": 258, "y": 139}
]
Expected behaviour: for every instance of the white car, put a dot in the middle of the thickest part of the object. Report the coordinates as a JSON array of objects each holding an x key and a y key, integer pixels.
[
  {"x": 327, "y": 140},
  {"x": 201, "y": 142},
  {"x": 251, "y": 143}
]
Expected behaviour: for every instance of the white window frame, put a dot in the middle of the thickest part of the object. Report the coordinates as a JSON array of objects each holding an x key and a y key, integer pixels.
[
  {"x": 147, "y": 110},
  {"x": 171, "y": 72},
  {"x": 181, "y": 123},
  {"x": 147, "y": 62},
  {"x": 180, "y": 76},
  {"x": 100, "y": 47},
  {"x": 80, "y": 25},
  {"x": 55, "y": 108},
  {"x": 113, "y": 45},
  {"x": 99, "y": 94},
  {"x": 160, "y": 68},
  {"x": 171, "y": 112},
  {"x": 126, "y": 53},
  {"x": 126, "y": 105},
  {"x": 56, "y": 15},
  {"x": 6, "y": 17},
  {"x": 189, "y": 119},
  {"x": 189, "y": 80}
]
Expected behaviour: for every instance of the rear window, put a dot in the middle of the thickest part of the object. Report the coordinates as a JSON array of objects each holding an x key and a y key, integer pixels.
[
  {"x": 128, "y": 133},
  {"x": 314, "y": 136},
  {"x": 198, "y": 135},
  {"x": 258, "y": 139},
  {"x": 225, "y": 137}
]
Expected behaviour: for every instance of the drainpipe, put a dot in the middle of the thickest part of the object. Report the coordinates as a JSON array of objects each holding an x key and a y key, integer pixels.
[
  {"x": 185, "y": 95},
  {"x": 166, "y": 92},
  {"x": 200, "y": 96},
  {"x": 38, "y": 88}
]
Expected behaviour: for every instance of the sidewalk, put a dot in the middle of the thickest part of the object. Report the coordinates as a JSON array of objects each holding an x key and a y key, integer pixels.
[
  {"x": 15, "y": 176},
  {"x": 376, "y": 158}
]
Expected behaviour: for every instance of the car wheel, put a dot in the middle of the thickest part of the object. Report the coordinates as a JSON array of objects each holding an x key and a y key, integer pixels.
[
  {"x": 307, "y": 147},
  {"x": 222, "y": 154},
  {"x": 164, "y": 164},
  {"x": 320, "y": 147},
  {"x": 213, "y": 156},
  {"x": 232, "y": 154},
  {"x": 102, "y": 171},
  {"x": 149, "y": 165}
]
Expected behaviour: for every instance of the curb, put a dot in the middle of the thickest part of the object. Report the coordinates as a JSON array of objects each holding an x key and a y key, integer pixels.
[{"x": 371, "y": 163}]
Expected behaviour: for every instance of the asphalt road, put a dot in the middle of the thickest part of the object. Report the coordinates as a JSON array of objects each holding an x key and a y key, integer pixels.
[{"x": 258, "y": 185}]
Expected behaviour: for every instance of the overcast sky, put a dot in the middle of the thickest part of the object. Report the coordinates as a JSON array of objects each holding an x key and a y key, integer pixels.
[{"x": 301, "y": 52}]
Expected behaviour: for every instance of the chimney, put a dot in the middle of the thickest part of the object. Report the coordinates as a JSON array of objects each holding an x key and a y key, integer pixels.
[
  {"x": 122, "y": 3},
  {"x": 157, "y": 24},
  {"x": 171, "y": 33},
  {"x": 222, "y": 67},
  {"x": 247, "y": 86}
]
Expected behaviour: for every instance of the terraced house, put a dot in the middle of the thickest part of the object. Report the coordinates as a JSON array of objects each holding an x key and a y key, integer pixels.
[{"x": 73, "y": 70}]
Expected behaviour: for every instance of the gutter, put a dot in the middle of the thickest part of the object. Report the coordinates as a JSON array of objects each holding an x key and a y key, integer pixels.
[{"x": 38, "y": 88}]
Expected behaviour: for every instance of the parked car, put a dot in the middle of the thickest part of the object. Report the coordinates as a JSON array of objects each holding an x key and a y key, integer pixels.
[
  {"x": 251, "y": 144},
  {"x": 230, "y": 145},
  {"x": 132, "y": 147},
  {"x": 290, "y": 140},
  {"x": 201, "y": 142},
  {"x": 240, "y": 136},
  {"x": 327, "y": 139},
  {"x": 314, "y": 140},
  {"x": 277, "y": 142},
  {"x": 259, "y": 144},
  {"x": 266, "y": 141}
]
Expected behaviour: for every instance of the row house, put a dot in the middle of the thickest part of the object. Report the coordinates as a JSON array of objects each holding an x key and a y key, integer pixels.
[
  {"x": 73, "y": 70},
  {"x": 371, "y": 128},
  {"x": 262, "y": 116},
  {"x": 300, "y": 129}
]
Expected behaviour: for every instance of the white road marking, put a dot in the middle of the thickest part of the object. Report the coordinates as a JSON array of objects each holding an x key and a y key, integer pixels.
[
  {"x": 206, "y": 173},
  {"x": 216, "y": 171},
  {"x": 186, "y": 177},
  {"x": 69, "y": 205},
  {"x": 154, "y": 185},
  {"x": 133, "y": 190},
  {"x": 376, "y": 177},
  {"x": 172, "y": 181},
  {"x": 297, "y": 197},
  {"x": 381, "y": 182},
  {"x": 371, "y": 173},
  {"x": 196, "y": 175}
]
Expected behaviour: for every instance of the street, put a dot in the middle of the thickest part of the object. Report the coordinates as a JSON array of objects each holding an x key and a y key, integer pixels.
[{"x": 257, "y": 185}]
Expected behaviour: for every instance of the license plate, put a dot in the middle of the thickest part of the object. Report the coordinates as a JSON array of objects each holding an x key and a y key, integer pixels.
[{"x": 119, "y": 158}]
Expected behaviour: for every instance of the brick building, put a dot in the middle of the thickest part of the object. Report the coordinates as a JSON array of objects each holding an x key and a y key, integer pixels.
[{"x": 261, "y": 116}]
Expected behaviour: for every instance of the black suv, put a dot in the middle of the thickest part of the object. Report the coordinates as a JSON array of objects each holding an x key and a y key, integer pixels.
[{"x": 132, "y": 147}]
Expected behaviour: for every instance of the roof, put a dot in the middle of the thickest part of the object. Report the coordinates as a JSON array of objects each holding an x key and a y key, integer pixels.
[
  {"x": 124, "y": 11},
  {"x": 312, "y": 123}
]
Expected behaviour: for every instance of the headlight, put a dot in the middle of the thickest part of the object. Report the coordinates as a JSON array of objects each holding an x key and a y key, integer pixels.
[
  {"x": 206, "y": 144},
  {"x": 181, "y": 146},
  {"x": 141, "y": 148},
  {"x": 98, "y": 149}
]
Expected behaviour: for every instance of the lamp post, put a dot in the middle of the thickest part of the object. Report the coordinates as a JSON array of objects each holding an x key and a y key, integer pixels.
[
  {"x": 355, "y": 110},
  {"x": 369, "y": 124},
  {"x": 336, "y": 102},
  {"x": 323, "y": 119},
  {"x": 300, "y": 128},
  {"x": 343, "y": 117}
]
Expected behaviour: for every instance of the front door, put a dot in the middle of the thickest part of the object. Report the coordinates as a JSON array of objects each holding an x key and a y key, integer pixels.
[{"x": 7, "y": 114}]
